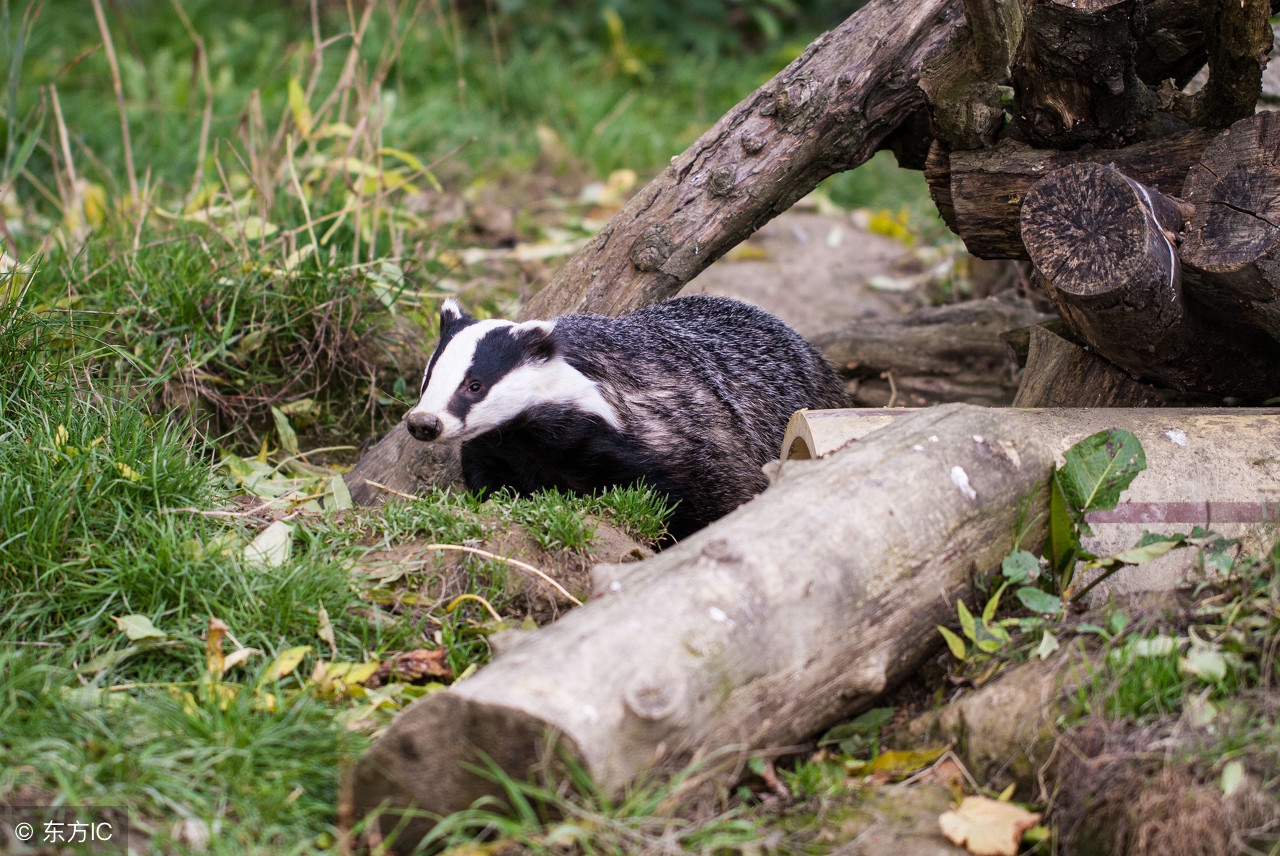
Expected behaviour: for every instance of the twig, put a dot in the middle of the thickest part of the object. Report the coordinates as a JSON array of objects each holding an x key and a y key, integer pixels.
[
  {"x": 119, "y": 89},
  {"x": 389, "y": 490},
  {"x": 515, "y": 563},
  {"x": 485, "y": 554}
]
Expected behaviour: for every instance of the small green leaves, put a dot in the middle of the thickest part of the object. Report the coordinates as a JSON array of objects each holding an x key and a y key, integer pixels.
[
  {"x": 1020, "y": 567},
  {"x": 1039, "y": 601}
]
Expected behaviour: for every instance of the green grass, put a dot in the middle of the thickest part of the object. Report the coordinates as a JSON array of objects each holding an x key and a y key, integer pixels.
[{"x": 263, "y": 263}]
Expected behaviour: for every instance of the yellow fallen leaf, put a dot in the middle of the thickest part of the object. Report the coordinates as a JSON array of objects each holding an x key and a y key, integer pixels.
[{"x": 987, "y": 827}]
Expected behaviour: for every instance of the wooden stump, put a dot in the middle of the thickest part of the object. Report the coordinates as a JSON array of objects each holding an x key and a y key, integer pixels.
[{"x": 1232, "y": 244}]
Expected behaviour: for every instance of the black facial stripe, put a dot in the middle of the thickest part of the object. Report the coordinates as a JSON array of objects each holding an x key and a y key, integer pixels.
[
  {"x": 497, "y": 354},
  {"x": 447, "y": 332}
]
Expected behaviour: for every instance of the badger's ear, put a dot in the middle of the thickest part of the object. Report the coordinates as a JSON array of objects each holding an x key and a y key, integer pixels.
[
  {"x": 451, "y": 315},
  {"x": 536, "y": 339}
]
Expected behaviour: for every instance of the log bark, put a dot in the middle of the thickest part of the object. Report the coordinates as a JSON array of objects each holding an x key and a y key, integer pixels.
[
  {"x": 1105, "y": 245},
  {"x": 1238, "y": 39},
  {"x": 759, "y": 631},
  {"x": 766, "y": 628},
  {"x": 1074, "y": 77},
  {"x": 1060, "y": 373},
  {"x": 1231, "y": 251},
  {"x": 979, "y": 193}
]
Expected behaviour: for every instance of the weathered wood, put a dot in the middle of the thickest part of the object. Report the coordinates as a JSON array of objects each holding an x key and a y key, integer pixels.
[
  {"x": 1074, "y": 78},
  {"x": 766, "y": 628},
  {"x": 826, "y": 112},
  {"x": 959, "y": 343},
  {"x": 1238, "y": 39},
  {"x": 979, "y": 193},
  {"x": 759, "y": 631},
  {"x": 1172, "y": 44},
  {"x": 1231, "y": 249},
  {"x": 1105, "y": 245},
  {"x": 1060, "y": 373}
]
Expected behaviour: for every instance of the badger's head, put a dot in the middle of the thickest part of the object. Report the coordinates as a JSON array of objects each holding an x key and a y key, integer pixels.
[{"x": 486, "y": 373}]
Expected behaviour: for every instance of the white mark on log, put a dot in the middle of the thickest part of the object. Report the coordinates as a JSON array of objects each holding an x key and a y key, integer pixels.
[
  {"x": 1177, "y": 436},
  {"x": 1011, "y": 452},
  {"x": 717, "y": 614},
  {"x": 1173, "y": 258},
  {"x": 590, "y": 713},
  {"x": 933, "y": 439},
  {"x": 917, "y": 447},
  {"x": 979, "y": 439},
  {"x": 961, "y": 480},
  {"x": 616, "y": 585}
]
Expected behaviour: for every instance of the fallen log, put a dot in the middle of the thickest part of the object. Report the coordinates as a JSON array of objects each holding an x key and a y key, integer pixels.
[
  {"x": 800, "y": 608},
  {"x": 935, "y": 340},
  {"x": 1105, "y": 245},
  {"x": 1210, "y": 467},
  {"x": 1231, "y": 250},
  {"x": 980, "y": 193}
]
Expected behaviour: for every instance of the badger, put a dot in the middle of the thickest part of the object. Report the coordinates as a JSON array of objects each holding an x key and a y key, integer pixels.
[{"x": 690, "y": 396}]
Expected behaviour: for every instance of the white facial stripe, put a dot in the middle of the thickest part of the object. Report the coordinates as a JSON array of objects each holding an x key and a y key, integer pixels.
[
  {"x": 531, "y": 385},
  {"x": 447, "y": 375}
]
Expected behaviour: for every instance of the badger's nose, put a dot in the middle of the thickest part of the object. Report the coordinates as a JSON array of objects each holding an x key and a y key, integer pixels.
[{"x": 423, "y": 426}]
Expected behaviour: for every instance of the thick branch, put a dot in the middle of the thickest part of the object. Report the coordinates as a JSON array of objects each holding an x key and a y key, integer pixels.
[
  {"x": 828, "y": 111},
  {"x": 1074, "y": 77}
]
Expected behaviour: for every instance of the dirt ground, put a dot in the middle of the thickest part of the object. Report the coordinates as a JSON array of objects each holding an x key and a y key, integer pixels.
[{"x": 811, "y": 270}]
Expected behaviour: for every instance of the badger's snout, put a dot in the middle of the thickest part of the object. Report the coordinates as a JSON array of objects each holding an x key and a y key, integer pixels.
[{"x": 424, "y": 426}]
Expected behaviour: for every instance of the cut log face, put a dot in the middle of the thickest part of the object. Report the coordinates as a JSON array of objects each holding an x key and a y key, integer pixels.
[
  {"x": 1105, "y": 245},
  {"x": 979, "y": 193},
  {"x": 1232, "y": 241}
]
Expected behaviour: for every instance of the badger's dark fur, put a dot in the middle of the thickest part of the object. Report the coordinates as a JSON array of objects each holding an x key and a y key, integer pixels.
[{"x": 691, "y": 395}]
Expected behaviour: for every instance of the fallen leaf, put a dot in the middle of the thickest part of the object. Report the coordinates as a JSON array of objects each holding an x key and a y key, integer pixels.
[
  {"x": 138, "y": 627},
  {"x": 324, "y": 630},
  {"x": 987, "y": 827},
  {"x": 411, "y": 666},
  {"x": 214, "y": 660},
  {"x": 271, "y": 548}
]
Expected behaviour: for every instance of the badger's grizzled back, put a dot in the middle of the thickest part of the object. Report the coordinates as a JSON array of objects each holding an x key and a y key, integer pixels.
[{"x": 691, "y": 395}]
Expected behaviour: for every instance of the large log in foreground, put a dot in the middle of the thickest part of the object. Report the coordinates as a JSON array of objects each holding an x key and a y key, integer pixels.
[{"x": 798, "y": 609}]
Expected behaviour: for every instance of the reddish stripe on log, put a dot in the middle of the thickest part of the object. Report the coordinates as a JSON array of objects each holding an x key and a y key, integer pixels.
[{"x": 1207, "y": 512}]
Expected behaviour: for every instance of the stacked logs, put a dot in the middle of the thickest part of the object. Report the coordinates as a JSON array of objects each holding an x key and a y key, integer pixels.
[{"x": 1153, "y": 230}]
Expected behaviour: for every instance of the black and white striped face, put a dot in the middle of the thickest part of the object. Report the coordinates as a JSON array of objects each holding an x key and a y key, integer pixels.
[{"x": 486, "y": 373}]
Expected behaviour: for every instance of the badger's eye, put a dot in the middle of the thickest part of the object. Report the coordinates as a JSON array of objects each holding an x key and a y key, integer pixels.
[{"x": 475, "y": 386}]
